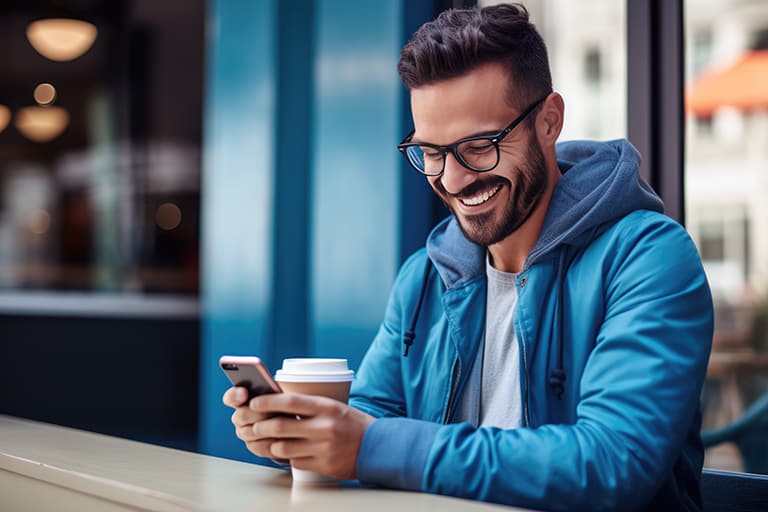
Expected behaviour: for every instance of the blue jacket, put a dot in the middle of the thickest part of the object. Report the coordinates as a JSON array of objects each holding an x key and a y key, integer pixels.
[{"x": 614, "y": 322}]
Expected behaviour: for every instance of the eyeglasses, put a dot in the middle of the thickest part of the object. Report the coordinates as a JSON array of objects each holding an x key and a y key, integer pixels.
[{"x": 479, "y": 153}]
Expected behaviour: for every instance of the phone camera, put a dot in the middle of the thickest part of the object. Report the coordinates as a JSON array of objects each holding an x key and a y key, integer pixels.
[{"x": 229, "y": 366}]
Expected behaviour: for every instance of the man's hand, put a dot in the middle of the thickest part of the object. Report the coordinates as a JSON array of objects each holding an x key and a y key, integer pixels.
[
  {"x": 243, "y": 419},
  {"x": 325, "y": 439}
]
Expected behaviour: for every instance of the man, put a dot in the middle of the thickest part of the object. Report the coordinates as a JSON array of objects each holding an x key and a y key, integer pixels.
[{"x": 548, "y": 347}]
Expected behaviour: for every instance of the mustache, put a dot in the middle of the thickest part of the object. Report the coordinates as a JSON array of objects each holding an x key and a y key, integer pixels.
[{"x": 474, "y": 187}]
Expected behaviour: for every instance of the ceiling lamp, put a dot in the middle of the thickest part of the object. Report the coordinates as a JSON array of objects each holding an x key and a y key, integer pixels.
[
  {"x": 5, "y": 117},
  {"x": 41, "y": 124},
  {"x": 61, "y": 39}
]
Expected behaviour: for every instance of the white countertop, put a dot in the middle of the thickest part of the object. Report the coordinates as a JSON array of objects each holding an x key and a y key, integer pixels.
[{"x": 48, "y": 467}]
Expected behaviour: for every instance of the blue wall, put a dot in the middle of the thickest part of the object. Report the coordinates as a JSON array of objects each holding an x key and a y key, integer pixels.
[
  {"x": 236, "y": 202},
  {"x": 304, "y": 224}
]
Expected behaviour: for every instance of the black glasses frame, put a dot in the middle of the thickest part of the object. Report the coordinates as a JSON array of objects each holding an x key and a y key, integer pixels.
[{"x": 454, "y": 148}]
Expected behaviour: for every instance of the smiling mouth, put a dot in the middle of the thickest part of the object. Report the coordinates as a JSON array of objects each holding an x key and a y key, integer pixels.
[{"x": 480, "y": 198}]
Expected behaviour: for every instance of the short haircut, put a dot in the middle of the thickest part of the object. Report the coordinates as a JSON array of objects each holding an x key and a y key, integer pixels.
[{"x": 461, "y": 40}]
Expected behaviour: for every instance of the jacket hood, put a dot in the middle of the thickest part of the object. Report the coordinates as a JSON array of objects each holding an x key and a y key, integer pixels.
[{"x": 599, "y": 185}]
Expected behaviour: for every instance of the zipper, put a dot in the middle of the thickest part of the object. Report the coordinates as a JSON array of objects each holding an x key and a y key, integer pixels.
[
  {"x": 524, "y": 359},
  {"x": 525, "y": 374},
  {"x": 454, "y": 387}
]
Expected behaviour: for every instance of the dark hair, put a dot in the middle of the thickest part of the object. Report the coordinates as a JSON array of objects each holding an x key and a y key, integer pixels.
[{"x": 460, "y": 40}]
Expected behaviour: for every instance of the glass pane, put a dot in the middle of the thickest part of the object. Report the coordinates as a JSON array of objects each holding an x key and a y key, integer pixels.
[
  {"x": 588, "y": 56},
  {"x": 726, "y": 185},
  {"x": 100, "y": 146}
]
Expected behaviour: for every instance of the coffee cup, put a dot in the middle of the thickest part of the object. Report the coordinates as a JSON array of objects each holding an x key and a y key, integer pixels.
[{"x": 331, "y": 378}]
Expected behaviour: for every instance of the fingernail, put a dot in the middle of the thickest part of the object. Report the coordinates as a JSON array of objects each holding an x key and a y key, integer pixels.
[{"x": 240, "y": 394}]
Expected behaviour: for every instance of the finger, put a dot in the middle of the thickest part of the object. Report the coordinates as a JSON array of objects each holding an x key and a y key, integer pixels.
[
  {"x": 282, "y": 427},
  {"x": 235, "y": 396},
  {"x": 244, "y": 416},
  {"x": 260, "y": 448},
  {"x": 293, "y": 404},
  {"x": 245, "y": 433},
  {"x": 297, "y": 448}
]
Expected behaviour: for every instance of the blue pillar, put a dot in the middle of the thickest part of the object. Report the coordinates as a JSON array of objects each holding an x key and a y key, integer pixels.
[
  {"x": 303, "y": 225},
  {"x": 237, "y": 202},
  {"x": 356, "y": 173},
  {"x": 289, "y": 327}
]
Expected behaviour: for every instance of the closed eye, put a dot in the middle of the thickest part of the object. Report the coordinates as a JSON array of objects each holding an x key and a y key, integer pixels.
[{"x": 477, "y": 147}]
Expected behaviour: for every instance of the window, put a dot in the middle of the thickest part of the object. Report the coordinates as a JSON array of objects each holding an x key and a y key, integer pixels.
[
  {"x": 701, "y": 49},
  {"x": 725, "y": 190},
  {"x": 100, "y": 147},
  {"x": 712, "y": 241},
  {"x": 760, "y": 39},
  {"x": 588, "y": 57},
  {"x": 593, "y": 73}
]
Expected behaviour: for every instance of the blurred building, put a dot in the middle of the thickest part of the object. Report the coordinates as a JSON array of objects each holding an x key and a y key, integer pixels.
[{"x": 727, "y": 145}]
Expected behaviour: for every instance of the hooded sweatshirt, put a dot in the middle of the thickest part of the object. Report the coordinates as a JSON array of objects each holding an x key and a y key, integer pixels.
[{"x": 614, "y": 324}]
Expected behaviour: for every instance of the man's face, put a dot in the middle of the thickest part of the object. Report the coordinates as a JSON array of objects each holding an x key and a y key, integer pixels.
[{"x": 489, "y": 206}]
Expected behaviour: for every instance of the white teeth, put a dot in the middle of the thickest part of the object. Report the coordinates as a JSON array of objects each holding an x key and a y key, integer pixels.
[{"x": 480, "y": 198}]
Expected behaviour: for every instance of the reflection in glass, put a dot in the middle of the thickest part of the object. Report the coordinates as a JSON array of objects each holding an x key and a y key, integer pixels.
[
  {"x": 106, "y": 139},
  {"x": 726, "y": 185},
  {"x": 61, "y": 39}
]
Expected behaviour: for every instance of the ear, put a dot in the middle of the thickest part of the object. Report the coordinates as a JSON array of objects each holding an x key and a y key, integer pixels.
[{"x": 549, "y": 122}]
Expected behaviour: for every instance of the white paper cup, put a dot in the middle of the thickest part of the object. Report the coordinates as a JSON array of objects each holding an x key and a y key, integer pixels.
[
  {"x": 315, "y": 376},
  {"x": 306, "y": 477}
]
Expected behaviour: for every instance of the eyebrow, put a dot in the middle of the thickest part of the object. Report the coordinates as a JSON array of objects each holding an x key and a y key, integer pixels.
[{"x": 484, "y": 133}]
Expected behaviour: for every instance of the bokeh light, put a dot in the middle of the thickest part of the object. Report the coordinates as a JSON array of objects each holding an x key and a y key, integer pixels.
[
  {"x": 39, "y": 221},
  {"x": 42, "y": 124},
  {"x": 44, "y": 94},
  {"x": 168, "y": 216},
  {"x": 5, "y": 117},
  {"x": 61, "y": 39}
]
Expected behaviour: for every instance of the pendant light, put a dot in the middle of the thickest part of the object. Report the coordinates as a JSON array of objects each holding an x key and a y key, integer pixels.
[
  {"x": 5, "y": 117},
  {"x": 61, "y": 39},
  {"x": 43, "y": 122}
]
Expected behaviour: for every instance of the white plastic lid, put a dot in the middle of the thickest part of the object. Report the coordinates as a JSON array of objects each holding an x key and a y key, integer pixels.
[{"x": 314, "y": 369}]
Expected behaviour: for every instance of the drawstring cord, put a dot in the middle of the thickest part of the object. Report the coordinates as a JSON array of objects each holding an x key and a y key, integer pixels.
[
  {"x": 410, "y": 334},
  {"x": 557, "y": 374}
]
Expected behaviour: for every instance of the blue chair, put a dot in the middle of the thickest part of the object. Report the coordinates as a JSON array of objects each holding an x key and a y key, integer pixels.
[
  {"x": 749, "y": 433},
  {"x": 733, "y": 492}
]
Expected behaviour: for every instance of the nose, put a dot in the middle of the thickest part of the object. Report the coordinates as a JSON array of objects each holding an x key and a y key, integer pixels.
[{"x": 455, "y": 176}]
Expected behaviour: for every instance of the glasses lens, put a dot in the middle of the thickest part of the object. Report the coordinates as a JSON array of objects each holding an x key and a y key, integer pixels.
[
  {"x": 480, "y": 154},
  {"x": 426, "y": 159}
]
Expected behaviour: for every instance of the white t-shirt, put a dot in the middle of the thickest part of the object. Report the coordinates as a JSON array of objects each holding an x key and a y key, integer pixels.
[{"x": 497, "y": 366}]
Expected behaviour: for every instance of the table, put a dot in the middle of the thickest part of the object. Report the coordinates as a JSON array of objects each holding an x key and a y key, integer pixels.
[{"x": 48, "y": 467}]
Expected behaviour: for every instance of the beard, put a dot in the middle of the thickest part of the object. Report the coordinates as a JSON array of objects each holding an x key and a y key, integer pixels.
[{"x": 494, "y": 226}]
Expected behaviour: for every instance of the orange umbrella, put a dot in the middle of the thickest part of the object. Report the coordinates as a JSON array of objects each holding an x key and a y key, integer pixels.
[{"x": 742, "y": 85}]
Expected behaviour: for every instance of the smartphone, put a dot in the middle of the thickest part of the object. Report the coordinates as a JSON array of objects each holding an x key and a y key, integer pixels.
[{"x": 250, "y": 373}]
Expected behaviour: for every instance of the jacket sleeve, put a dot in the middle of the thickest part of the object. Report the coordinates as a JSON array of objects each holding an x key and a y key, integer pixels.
[
  {"x": 378, "y": 385},
  {"x": 638, "y": 396}
]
